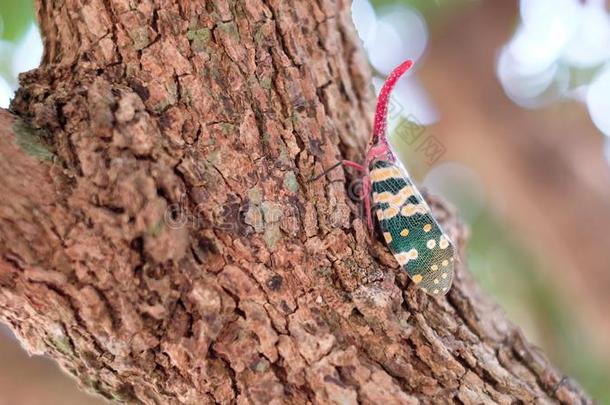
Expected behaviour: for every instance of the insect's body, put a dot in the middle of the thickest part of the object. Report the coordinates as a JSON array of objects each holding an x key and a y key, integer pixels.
[{"x": 410, "y": 231}]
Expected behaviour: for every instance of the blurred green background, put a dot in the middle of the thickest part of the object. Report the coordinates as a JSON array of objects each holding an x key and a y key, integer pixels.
[
  {"x": 16, "y": 17},
  {"x": 497, "y": 168}
]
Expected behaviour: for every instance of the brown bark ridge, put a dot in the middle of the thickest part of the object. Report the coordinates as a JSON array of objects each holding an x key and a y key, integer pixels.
[{"x": 160, "y": 239}]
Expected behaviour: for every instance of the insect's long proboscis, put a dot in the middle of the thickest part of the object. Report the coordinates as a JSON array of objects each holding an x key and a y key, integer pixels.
[{"x": 381, "y": 113}]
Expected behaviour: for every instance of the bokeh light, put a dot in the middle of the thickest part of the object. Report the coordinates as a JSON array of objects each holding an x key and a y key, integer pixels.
[
  {"x": 598, "y": 101},
  {"x": 555, "y": 41},
  {"x": 28, "y": 51},
  {"x": 6, "y": 93},
  {"x": 408, "y": 30},
  {"x": 389, "y": 36},
  {"x": 17, "y": 57},
  {"x": 363, "y": 15},
  {"x": 589, "y": 45}
]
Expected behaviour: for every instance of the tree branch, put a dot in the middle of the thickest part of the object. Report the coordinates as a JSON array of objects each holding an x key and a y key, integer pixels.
[{"x": 160, "y": 239}]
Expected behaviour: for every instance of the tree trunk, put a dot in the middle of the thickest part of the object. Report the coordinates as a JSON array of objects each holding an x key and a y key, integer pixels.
[{"x": 160, "y": 239}]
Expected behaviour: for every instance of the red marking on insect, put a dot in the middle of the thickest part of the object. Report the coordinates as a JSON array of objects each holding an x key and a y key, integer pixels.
[
  {"x": 378, "y": 145},
  {"x": 381, "y": 115}
]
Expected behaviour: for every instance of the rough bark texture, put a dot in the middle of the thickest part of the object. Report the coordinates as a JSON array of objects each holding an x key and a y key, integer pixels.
[{"x": 160, "y": 239}]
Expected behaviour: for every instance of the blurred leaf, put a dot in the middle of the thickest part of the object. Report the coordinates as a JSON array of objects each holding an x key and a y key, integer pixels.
[{"x": 15, "y": 18}]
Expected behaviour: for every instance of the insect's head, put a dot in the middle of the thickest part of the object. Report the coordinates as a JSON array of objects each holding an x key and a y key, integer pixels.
[{"x": 380, "y": 150}]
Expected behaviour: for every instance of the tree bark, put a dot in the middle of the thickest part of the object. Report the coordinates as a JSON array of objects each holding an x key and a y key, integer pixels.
[{"x": 160, "y": 237}]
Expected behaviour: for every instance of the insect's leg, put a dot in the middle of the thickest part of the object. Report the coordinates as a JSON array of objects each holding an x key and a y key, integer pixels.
[
  {"x": 319, "y": 176},
  {"x": 366, "y": 191},
  {"x": 366, "y": 188},
  {"x": 354, "y": 165},
  {"x": 347, "y": 163}
]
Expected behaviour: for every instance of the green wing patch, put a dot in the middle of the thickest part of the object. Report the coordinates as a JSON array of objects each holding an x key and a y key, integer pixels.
[{"x": 412, "y": 234}]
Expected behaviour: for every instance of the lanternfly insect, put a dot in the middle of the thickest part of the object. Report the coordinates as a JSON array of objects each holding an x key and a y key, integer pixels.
[{"x": 410, "y": 231}]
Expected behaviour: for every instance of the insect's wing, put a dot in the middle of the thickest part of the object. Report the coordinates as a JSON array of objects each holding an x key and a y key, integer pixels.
[{"x": 413, "y": 236}]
